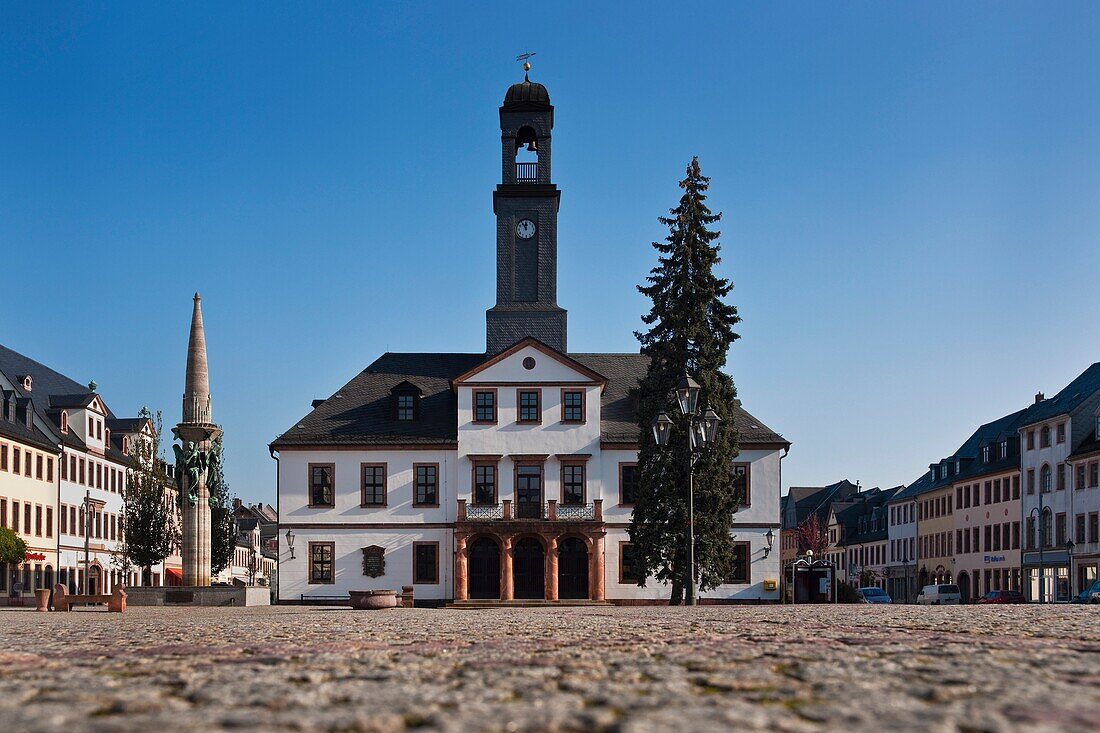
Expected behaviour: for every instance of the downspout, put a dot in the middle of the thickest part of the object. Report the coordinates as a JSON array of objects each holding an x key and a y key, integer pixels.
[
  {"x": 783, "y": 570},
  {"x": 278, "y": 527},
  {"x": 57, "y": 527}
]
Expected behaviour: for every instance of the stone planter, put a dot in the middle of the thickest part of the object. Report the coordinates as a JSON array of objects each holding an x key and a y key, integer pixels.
[
  {"x": 42, "y": 598},
  {"x": 368, "y": 600}
]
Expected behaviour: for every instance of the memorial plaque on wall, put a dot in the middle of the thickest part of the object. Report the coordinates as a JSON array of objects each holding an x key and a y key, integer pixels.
[{"x": 374, "y": 561}]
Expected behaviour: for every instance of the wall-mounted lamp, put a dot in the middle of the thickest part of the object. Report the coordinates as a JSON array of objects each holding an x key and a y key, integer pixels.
[
  {"x": 290, "y": 543},
  {"x": 770, "y": 537}
]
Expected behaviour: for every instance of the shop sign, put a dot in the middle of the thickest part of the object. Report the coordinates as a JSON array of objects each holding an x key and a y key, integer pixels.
[
  {"x": 994, "y": 558},
  {"x": 35, "y": 557}
]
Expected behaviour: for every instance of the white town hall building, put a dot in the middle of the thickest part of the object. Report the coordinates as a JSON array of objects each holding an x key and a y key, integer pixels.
[{"x": 507, "y": 474}]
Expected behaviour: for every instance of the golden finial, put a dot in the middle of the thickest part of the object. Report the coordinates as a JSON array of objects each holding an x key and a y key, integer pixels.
[{"x": 526, "y": 64}]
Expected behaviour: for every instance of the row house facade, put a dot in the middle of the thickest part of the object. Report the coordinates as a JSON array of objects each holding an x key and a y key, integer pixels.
[
  {"x": 72, "y": 455},
  {"x": 901, "y": 534},
  {"x": 987, "y": 510},
  {"x": 1060, "y": 470},
  {"x": 502, "y": 475},
  {"x": 864, "y": 539}
]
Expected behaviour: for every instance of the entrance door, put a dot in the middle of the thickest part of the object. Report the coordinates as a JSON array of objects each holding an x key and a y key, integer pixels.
[
  {"x": 529, "y": 492},
  {"x": 964, "y": 587},
  {"x": 484, "y": 568},
  {"x": 572, "y": 568},
  {"x": 94, "y": 580},
  {"x": 527, "y": 571}
]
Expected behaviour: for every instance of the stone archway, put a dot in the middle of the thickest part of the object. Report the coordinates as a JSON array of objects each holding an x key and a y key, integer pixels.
[
  {"x": 484, "y": 573},
  {"x": 528, "y": 573},
  {"x": 573, "y": 568}
]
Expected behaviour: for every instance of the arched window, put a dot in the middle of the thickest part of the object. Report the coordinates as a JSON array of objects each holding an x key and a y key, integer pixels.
[
  {"x": 1045, "y": 528},
  {"x": 527, "y": 155},
  {"x": 1044, "y": 478}
]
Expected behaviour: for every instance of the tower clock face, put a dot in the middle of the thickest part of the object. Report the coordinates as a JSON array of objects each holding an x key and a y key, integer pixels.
[{"x": 525, "y": 229}]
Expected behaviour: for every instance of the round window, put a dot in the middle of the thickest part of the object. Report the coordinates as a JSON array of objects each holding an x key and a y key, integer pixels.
[{"x": 529, "y": 363}]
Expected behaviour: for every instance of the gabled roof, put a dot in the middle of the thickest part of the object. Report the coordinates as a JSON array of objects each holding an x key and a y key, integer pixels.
[
  {"x": 46, "y": 381},
  {"x": 66, "y": 401},
  {"x": 540, "y": 346},
  {"x": 359, "y": 413},
  {"x": 818, "y": 499},
  {"x": 1069, "y": 399}
]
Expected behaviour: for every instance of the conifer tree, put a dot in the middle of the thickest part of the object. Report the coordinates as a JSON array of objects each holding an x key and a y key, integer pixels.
[
  {"x": 690, "y": 332},
  {"x": 149, "y": 520},
  {"x": 223, "y": 525}
]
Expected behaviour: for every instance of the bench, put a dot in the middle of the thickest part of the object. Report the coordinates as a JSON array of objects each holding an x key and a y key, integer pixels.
[{"x": 64, "y": 601}]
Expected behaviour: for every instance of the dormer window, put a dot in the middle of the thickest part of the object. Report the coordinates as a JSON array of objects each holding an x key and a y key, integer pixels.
[
  {"x": 406, "y": 406},
  {"x": 985, "y": 454},
  {"x": 28, "y": 382},
  {"x": 943, "y": 471},
  {"x": 64, "y": 422},
  {"x": 406, "y": 401},
  {"x": 1004, "y": 449},
  {"x": 958, "y": 465},
  {"x": 125, "y": 445}
]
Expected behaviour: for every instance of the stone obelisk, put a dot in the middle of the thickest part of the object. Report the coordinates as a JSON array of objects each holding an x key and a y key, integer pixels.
[{"x": 196, "y": 457}]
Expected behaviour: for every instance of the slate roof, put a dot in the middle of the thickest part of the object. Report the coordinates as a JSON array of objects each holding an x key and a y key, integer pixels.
[
  {"x": 969, "y": 453},
  {"x": 359, "y": 413},
  {"x": 819, "y": 499},
  {"x": 1091, "y": 444},
  {"x": 50, "y": 392},
  {"x": 1070, "y": 398},
  {"x": 915, "y": 488}
]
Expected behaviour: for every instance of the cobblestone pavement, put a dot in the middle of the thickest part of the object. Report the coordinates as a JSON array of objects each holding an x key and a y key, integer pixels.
[{"x": 627, "y": 670}]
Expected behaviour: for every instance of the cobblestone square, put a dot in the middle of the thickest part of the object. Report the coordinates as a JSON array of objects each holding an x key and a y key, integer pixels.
[{"x": 570, "y": 669}]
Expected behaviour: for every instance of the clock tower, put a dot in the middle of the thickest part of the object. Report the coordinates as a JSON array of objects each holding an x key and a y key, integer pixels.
[{"x": 526, "y": 207}]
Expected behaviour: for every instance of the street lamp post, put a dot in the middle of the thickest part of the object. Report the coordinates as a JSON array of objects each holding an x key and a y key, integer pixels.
[
  {"x": 1039, "y": 511},
  {"x": 702, "y": 430},
  {"x": 1069, "y": 566}
]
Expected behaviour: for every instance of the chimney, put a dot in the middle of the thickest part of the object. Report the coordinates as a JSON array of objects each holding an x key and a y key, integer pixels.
[
  {"x": 236, "y": 504},
  {"x": 1039, "y": 397}
]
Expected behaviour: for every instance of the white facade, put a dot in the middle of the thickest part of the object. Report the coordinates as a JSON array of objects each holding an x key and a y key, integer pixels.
[
  {"x": 1067, "y": 487},
  {"x": 550, "y": 443}
]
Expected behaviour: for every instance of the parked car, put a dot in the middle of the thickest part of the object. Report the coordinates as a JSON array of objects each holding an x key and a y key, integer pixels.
[
  {"x": 944, "y": 594},
  {"x": 873, "y": 595},
  {"x": 1089, "y": 595},
  {"x": 1003, "y": 596}
]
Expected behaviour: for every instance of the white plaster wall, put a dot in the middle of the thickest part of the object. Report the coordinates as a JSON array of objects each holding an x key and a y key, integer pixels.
[
  {"x": 36, "y": 492},
  {"x": 760, "y": 569},
  {"x": 294, "y": 486},
  {"x": 551, "y": 435},
  {"x": 398, "y": 542},
  {"x": 547, "y": 369}
]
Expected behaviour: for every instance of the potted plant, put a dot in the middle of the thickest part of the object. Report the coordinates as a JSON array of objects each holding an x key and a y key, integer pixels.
[{"x": 13, "y": 550}]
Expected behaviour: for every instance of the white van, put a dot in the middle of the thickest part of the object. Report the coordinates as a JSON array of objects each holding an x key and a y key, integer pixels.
[{"x": 943, "y": 594}]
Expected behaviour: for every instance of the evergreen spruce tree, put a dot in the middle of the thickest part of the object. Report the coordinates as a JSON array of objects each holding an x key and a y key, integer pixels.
[
  {"x": 690, "y": 332},
  {"x": 149, "y": 522},
  {"x": 223, "y": 525}
]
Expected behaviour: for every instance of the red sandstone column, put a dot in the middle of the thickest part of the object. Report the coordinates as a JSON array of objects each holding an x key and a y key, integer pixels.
[
  {"x": 552, "y": 569},
  {"x": 597, "y": 510},
  {"x": 552, "y": 509},
  {"x": 506, "y": 589},
  {"x": 461, "y": 571},
  {"x": 598, "y": 585},
  {"x": 507, "y": 504},
  {"x": 461, "y": 510}
]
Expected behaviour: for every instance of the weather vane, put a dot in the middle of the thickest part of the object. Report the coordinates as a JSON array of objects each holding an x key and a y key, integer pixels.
[{"x": 526, "y": 64}]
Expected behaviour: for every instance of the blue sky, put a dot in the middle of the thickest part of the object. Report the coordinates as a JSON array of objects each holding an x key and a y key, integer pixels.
[{"x": 911, "y": 196}]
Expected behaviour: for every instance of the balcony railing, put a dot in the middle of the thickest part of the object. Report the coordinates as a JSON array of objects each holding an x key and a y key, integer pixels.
[
  {"x": 527, "y": 172},
  {"x": 576, "y": 511},
  {"x": 545, "y": 511},
  {"x": 477, "y": 512}
]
